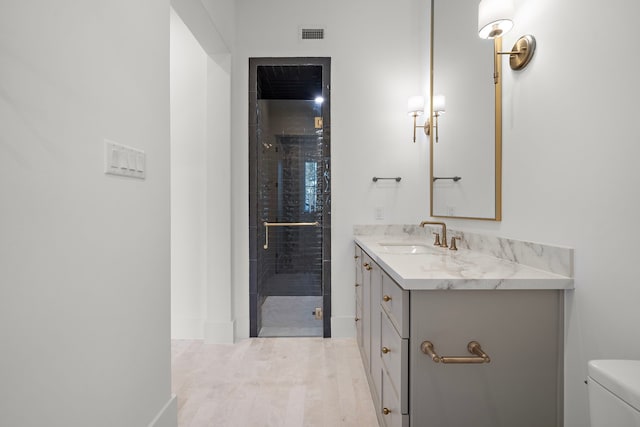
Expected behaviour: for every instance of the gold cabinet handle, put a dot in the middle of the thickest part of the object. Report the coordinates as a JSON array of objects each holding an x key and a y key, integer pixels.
[
  {"x": 367, "y": 266},
  {"x": 356, "y": 257},
  {"x": 385, "y": 350},
  {"x": 386, "y": 298},
  {"x": 386, "y": 411},
  {"x": 357, "y": 319},
  {"x": 473, "y": 347},
  {"x": 357, "y": 284}
]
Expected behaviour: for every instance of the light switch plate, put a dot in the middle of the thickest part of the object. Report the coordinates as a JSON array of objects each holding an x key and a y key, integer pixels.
[{"x": 123, "y": 160}]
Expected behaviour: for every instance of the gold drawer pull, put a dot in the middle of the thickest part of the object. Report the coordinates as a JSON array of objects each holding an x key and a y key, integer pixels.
[
  {"x": 386, "y": 411},
  {"x": 357, "y": 319},
  {"x": 386, "y": 298},
  {"x": 357, "y": 284},
  {"x": 356, "y": 257},
  {"x": 473, "y": 347},
  {"x": 367, "y": 266},
  {"x": 385, "y": 350}
]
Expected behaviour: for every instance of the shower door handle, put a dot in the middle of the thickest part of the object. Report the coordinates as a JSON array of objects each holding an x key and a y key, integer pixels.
[{"x": 284, "y": 224}]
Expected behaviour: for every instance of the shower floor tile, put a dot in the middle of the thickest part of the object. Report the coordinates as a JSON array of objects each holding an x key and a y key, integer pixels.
[{"x": 287, "y": 316}]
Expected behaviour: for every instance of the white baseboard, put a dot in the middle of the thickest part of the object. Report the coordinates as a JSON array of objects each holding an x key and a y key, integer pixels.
[
  {"x": 343, "y": 327},
  {"x": 168, "y": 415},
  {"x": 219, "y": 332},
  {"x": 241, "y": 326}
]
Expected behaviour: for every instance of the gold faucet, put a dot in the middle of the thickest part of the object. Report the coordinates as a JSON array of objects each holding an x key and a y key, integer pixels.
[{"x": 444, "y": 231}]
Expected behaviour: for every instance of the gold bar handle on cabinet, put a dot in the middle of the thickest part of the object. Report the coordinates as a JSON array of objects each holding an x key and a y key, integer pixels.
[
  {"x": 367, "y": 266},
  {"x": 284, "y": 224},
  {"x": 473, "y": 347}
]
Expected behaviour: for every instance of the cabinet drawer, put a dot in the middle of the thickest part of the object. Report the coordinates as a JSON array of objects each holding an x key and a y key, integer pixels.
[
  {"x": 394, "y": 355},
  {"x": 390, "y": 404},
  {"x": 521, "y": 330},
  {"x": 395, "y": 302}
]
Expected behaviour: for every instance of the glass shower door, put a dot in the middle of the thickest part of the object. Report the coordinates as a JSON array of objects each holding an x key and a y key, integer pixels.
[
  {"x": 292, "y": 259},
  {"x": 292, "y": 188}
]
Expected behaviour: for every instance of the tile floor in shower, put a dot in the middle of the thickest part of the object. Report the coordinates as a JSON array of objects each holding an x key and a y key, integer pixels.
[{"x": 290, "y": 316}]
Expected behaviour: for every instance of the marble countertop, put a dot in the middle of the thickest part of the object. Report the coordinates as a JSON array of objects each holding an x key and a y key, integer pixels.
[{"x": 431, "y": 267}]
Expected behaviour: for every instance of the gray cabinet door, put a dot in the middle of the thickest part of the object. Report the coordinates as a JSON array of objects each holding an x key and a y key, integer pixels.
[
  {"x": 367, "y": 268},
  {"x": 359, "y": 297},
  {"x": 376, "y": 313},
  {"x": 519, "y": 330}
]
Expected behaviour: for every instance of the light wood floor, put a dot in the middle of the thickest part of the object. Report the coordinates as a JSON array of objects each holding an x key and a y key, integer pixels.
[{"x": 271, "y": 382}]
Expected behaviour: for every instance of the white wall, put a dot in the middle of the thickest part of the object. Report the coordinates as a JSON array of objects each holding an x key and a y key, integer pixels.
[
  {"x": 569, "y": 163},
  {"x": 212, "y": 22},
  {"x": 188, "y": 78},
  {"x": 571, "y": 152},
  {"x": 200, "y": 187},
  {"x": 219, "y": 326},
  {"x": 222, "y": 15},
  {"x": 84, "y": 257},
  {"x": 378, "y": 51}
]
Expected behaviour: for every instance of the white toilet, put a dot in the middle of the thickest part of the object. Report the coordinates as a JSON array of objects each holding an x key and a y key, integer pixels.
[{"x": 614, "y": 393}]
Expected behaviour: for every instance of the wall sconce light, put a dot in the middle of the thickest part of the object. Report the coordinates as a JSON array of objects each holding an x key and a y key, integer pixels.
[
  {"x": 416, "y": 108},
  {"x": 438, "y": 108},
  {"x": 495, "y": 18}
]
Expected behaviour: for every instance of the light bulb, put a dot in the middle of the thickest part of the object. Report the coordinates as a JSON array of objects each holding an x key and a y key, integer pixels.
[{"x": 495, "y": 18}]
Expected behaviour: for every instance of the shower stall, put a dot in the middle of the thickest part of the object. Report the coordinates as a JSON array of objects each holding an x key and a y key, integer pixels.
[{"x": 290, "y": 193}]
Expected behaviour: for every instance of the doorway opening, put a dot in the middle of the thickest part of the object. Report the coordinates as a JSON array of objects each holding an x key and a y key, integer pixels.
[{"x": 289, "y": 197}]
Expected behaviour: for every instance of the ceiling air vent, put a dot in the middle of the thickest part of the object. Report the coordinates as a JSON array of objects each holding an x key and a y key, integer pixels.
[{"x": 312, "y": 33}]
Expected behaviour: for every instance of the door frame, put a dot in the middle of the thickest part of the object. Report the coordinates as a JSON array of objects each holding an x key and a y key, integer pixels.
[{"x": 254, "y": 218}]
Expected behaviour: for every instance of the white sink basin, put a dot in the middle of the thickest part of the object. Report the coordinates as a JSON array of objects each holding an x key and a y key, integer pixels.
[{"x": 407, "y": 248}]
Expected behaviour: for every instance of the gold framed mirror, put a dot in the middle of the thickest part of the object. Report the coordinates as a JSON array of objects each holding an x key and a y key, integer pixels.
[{"x": 466, "y": 158}]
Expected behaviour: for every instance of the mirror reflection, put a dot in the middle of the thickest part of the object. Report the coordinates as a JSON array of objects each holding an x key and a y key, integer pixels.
[{"x": 465, "y": 158}]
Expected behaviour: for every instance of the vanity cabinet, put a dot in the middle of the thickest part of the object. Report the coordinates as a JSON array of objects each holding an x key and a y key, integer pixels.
[
  {"x": 359, "y": 298},
  {"x": 383, "y": 331},
  {"x": 520, "y": 330},
  {"x": 363, "y": 307},
  {"x": 368, "y": 290}
]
